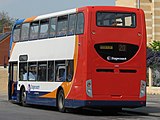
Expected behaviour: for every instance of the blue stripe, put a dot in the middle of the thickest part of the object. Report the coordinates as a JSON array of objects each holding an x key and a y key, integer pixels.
[
  {"x": 100, "y": 103},
  {"x": 36, "y": 99},
  {"x": 17, "y": 22}
]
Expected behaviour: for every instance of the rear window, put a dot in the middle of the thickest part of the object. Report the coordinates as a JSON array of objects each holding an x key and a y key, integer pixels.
[{"x": 116, "y": 19}]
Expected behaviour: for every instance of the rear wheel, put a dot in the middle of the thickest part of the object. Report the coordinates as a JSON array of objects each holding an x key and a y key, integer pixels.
[
  {"x": 60, "y": 101},
  {"x": 23, "y": 97}
]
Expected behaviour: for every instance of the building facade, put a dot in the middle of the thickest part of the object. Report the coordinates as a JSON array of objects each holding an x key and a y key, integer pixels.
[{"x": 152, "y": 14}]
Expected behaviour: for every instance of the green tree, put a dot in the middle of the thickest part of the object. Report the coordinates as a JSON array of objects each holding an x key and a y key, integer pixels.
[
  {"x": 155, "y": 45},
  {"x": 5, "y": 20}
]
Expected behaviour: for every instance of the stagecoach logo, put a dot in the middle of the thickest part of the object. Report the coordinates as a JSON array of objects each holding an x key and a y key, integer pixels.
[
  {"x": 33, "y": 87},
  {"x": 109, "y": 58}
]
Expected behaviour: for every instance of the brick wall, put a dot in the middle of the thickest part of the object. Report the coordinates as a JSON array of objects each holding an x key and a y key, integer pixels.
[{"x": 4, "y": 48}]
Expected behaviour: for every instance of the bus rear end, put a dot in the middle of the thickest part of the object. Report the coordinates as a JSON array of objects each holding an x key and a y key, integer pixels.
[{"x": 116, "y": 58}]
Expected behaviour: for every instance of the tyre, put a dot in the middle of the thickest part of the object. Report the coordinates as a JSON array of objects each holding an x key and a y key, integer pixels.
[
  {"x": 60, "y": 101},
  {"x": 23, "y": 97}
]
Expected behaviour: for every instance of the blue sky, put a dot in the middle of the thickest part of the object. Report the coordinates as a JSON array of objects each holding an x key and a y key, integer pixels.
[{"x": 28, "y": 8}]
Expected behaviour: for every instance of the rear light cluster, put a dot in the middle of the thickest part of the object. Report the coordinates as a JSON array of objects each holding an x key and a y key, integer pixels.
[
  {"x": 89, "y": 88},
  {"x": 142, "y": 88}
]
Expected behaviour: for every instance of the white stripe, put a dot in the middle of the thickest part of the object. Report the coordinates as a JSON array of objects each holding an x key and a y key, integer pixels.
[
  {"x": 60, "y": 48},
  {"x": 55, "y": 14},
  {"x": 42, "y": 86}
]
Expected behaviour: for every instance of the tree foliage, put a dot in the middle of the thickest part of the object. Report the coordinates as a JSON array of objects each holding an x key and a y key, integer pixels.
[
  {"x": 5, "y": 20},
  {"x": 153, "y": 55},
  {"x": 155, "y": 45}
]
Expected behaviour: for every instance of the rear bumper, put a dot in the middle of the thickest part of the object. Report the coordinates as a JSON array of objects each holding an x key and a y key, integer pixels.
[{"x": 97, "y": 104}]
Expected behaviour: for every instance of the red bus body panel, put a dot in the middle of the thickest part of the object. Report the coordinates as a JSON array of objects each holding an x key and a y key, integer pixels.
[{"x": 116, "y": 85}]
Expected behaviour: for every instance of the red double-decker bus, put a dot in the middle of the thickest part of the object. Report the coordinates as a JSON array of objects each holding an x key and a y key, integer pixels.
[{"x": 87, "y": 57}]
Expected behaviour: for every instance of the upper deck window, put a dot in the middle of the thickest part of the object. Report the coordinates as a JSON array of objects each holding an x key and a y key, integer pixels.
[
  {"x": 71, "y": 27},
  {"x": 62, "y": 25},
  {"x": 53, "y": 22},
  {"x": 34, "y": 29},
  {"x": 25, "y": 31},
  {"x": 16, "y": 35},
  {"x": 116, "y": 19},
  {"x": 80, "y": 23},
  {"x": 44, "y": 24}
]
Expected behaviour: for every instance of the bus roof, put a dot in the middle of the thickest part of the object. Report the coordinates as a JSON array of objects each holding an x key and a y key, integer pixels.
[{"x": 70, "y": 11}]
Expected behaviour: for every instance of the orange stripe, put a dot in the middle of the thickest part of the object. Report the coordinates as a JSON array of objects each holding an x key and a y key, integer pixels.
[
  {"x": 76, "y": 54},
  {"x": 30, "y": 19},
  {"x": 50, "y": 95},
  {"x": 67, "y": 86}
]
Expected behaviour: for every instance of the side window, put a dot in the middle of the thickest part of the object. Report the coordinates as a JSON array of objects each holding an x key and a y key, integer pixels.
[
  {"x": 80, "y": 23},
  {"x": 70, "y": 70},
  {"x": 51, "y": 71},
  {"x": 23, "y": 74},
  {"x": 25, "y": 31},
  {"x": 34, "y": 29},
  {"x": 16, "y": 35},
  {"x": 42, "y": 71},
  {"x": 32, "y": 71},
  {"x": 62, "y": 26},
  {"x": 60, "y": 71},
  {"x": 44, "y": 24},
  {"x": 53, "y": 22},
  {"x": 71, "y": 27}
]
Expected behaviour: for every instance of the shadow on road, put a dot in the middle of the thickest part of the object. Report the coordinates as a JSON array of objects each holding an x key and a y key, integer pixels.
[{"x": 98, "y": 112}]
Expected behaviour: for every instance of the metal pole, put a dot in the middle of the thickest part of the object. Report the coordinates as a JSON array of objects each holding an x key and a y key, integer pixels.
[{"x": 138, "y": 3}]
